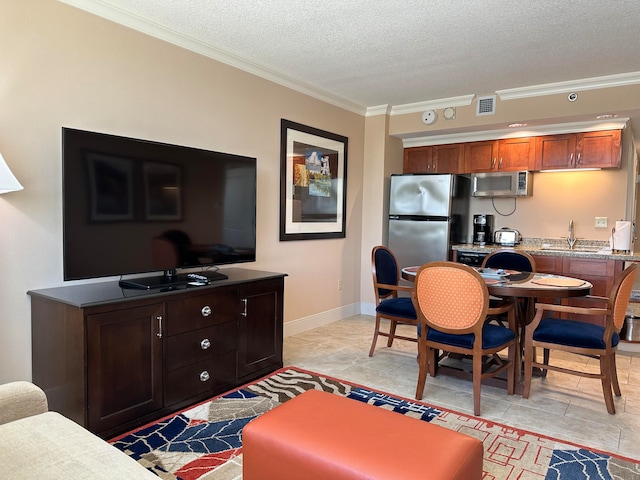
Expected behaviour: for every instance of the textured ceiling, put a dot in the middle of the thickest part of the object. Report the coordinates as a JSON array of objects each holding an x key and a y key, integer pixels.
[{"x": 398, "y": 52}]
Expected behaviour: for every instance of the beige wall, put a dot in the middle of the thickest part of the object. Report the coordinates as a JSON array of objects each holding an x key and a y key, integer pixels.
[{"x": 65, "y": 67}]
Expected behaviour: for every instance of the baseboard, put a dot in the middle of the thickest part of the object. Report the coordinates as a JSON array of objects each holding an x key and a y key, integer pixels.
[{"x": 324, "y": 318}]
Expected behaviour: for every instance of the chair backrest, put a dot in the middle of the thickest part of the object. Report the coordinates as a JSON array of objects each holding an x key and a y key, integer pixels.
[
  {"x": 451, "y": 297},
  {"x": 384, "y": 268},
  {"x": 620, "y": 295},
  {"x": 510, "y": 260}
]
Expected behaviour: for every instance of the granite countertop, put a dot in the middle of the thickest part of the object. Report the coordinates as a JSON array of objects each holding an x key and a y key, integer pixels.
[{"x": 558, "y": 247}]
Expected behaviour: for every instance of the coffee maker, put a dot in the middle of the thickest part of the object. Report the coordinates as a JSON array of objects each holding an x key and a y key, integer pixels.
[{"x": 482, "y": 229}]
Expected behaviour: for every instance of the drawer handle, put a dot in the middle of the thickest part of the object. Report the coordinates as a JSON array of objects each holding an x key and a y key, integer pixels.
[
  {"x": 204, "y": 344},
  {"x": 206, "y": 311},
  {"x": 204, "y": 376}
]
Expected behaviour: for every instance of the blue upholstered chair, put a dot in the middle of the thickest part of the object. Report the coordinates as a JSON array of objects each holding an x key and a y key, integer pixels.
[
  {"x": 390, "y": 306},
  {"x": 452, "y": 302},
  {"x": 580, "y": 337},
  {"x": 510, "y": 260}
]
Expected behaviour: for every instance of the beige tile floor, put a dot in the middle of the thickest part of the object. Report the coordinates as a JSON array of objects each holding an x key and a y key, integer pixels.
[{"x": 562, "y": 406}]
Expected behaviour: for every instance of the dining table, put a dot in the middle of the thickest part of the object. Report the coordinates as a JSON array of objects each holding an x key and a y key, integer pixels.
[{"x": 516, "y": 285}]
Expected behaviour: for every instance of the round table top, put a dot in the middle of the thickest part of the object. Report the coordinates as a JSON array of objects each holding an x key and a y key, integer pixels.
[{"x": 511, "y": 283}]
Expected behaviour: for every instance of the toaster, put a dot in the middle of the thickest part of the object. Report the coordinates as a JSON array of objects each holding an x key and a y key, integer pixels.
[{"x": 507, "y": 237}]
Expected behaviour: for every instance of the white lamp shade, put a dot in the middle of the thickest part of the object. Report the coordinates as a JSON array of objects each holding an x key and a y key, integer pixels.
[{"x": 8, "y": 181}]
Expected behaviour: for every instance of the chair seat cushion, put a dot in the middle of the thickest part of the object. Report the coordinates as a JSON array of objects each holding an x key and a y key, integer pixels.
[
  {"x": 398, "y": 307},
  {"x": 493, "y": 336},
  {"x": 572, "y": 333}
]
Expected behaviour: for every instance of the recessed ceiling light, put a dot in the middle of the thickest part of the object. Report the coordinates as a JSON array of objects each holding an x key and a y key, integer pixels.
[
  {"x": 606, "y": 116},
  {"x": 517, "y": 125}
]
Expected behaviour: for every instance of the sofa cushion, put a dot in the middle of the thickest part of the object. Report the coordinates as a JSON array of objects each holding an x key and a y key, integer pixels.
[{"x": 50, "y": 446}]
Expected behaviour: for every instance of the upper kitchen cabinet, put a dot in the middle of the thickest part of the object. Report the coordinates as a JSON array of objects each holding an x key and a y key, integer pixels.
[
  {"x": 508, "y": 155},
  {"x": 434, "y": 159},
  {"x": 579, "y": 150}
]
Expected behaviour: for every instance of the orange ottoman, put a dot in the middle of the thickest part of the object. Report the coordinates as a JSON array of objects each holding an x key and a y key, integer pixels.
[{"x": 320, "y": 435}]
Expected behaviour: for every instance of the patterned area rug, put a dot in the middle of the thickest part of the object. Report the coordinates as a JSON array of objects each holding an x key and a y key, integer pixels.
[{"x": 204, "y": 442}]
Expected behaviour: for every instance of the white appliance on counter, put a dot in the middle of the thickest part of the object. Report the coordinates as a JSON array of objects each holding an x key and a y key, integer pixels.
[{"x": 427, "y": 214}]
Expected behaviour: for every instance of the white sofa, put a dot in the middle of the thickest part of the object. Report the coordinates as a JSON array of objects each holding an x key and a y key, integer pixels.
[{"x": 38, "y": 444}]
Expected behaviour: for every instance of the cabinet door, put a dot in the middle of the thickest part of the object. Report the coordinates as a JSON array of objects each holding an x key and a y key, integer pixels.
[
  {"x": 260, "y": 330},
  {"x": 598, "y": 149},
  {"x": 481, "y": 157},
  {"x": 516, "y": 154},
  {"x": 417, "y": 160},
  {"x": 124, "y": 365},
  {"x": 555, "y": 151},
  {"x": 448, "y": 158}
]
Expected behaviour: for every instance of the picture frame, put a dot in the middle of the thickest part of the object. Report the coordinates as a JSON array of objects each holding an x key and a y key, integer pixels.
[
  {"x": 313, "y": 183},
  {"x": 162, "y": 191},
  {"x": 110, "y": 188}
]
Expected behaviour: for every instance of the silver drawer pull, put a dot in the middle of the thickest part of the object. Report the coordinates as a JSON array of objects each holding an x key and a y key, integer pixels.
[
  {"x": 204, "y": 376},
  {"x": 206, "y": 311},
  {"x": 204, "y": 344}
]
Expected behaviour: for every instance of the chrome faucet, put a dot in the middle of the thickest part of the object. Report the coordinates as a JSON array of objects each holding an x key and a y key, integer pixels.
[{"x": 572, "y": 236}]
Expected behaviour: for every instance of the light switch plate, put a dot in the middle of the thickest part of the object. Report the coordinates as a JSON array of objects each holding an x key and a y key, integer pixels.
[{"x": 601, "y": 222}]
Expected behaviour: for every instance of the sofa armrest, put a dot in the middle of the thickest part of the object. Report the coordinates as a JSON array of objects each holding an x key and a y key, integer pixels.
[{"x": 19, "y": 400}]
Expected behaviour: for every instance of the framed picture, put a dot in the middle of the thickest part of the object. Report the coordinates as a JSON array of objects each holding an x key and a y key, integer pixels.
[
  {"x": 162, "y": 191},
  {"x": 110, "y": 188},
  {"x": 313, "y": 183}
]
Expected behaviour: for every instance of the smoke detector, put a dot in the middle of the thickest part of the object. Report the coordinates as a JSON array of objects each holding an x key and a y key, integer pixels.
[
  {"x": 429, "y": 117},
  {"x": 486, "y": 105}
]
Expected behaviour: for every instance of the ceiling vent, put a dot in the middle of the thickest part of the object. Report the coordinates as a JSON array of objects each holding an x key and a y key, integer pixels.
[{"x": 486, "y": 105}]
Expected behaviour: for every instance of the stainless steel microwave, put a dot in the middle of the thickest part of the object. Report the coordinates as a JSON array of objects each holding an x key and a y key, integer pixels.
[{"x": 502, "y": 184}]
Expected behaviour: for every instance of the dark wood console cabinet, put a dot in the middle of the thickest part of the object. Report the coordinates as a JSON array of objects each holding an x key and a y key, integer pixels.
[{"x": 112, "y": 359}]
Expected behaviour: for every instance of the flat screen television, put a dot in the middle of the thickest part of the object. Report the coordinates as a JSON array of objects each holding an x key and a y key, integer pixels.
[{"x": 134, "y": 206}]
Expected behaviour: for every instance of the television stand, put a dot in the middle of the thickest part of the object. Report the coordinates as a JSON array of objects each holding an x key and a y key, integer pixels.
[{"x": 167, "y": 282}]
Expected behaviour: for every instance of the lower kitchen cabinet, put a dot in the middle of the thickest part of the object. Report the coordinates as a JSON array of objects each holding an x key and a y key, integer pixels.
[{"x": 113, "y": 359}]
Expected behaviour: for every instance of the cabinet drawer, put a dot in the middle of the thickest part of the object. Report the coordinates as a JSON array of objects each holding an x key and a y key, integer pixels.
[
  {"x": 548, "y": 264},
  {"x": 573, "y": 266},
  {"x": 200, "y": 345},
  {"x": 200, "y": 379},
  {"x": 193, "y": 313}
]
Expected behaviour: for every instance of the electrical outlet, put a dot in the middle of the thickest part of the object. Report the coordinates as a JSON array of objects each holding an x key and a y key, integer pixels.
[
  {"x": 601, "y": 222},
  {"x": 339, "y": 285}
]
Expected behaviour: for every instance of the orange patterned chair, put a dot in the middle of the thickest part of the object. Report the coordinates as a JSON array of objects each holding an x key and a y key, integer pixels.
[
  {"x": 452, "y": 303},
  {"x": 320, "y": 436},
  {"x": 581, "y": 337}
]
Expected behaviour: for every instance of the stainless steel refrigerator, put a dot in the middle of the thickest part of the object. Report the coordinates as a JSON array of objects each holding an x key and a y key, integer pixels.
[{"x": 427, "y": 214}]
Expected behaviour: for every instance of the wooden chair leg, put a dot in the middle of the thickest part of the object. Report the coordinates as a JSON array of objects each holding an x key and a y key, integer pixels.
[
  {"x": 477, "y": 381},
  {"x": 545, "y": 360},
  {"x": 423, "y": 364},
  {"x": 614, "y": 376},
  {"x": 375, "y": 336},
  {"x": 514, "y": 368},
  {"x": 605, "y": 371},
  {"x": 392, "y": 332},
  {"x": 529, "y": 352}
]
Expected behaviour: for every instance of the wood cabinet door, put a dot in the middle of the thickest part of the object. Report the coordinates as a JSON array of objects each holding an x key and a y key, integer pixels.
[
  {"x": 516, "y": 154},
  {"x": 260, "y": 328},
  {"x": 598, "y": 149},
  {"x": 481, "y": 157},
  {"x": 417, "y": 160},
  {"x": 448, "y": 158},
  {"x": 555, "y": 151},
  {"x": 124, "y": 365}
]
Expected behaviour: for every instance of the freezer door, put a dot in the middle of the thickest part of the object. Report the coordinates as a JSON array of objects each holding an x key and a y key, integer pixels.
[
  {"x": 415, "y": 242},
  {"x": 428, "y": 195}
]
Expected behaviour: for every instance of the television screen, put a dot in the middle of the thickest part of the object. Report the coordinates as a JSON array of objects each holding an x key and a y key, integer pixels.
[{"x": 133, "y": 206}]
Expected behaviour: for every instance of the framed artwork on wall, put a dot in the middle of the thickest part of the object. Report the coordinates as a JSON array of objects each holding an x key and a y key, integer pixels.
[{"x": 313, "y": 183}]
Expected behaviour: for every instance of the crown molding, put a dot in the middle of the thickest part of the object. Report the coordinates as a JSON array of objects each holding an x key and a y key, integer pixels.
[
  {"x": 462, "y": 137},
  {"x": 609, "y": 81},
  {"x": 461, "y": 101},
  {"x": 140, "y": 24},
  {"x": 378, "y": 110}
]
